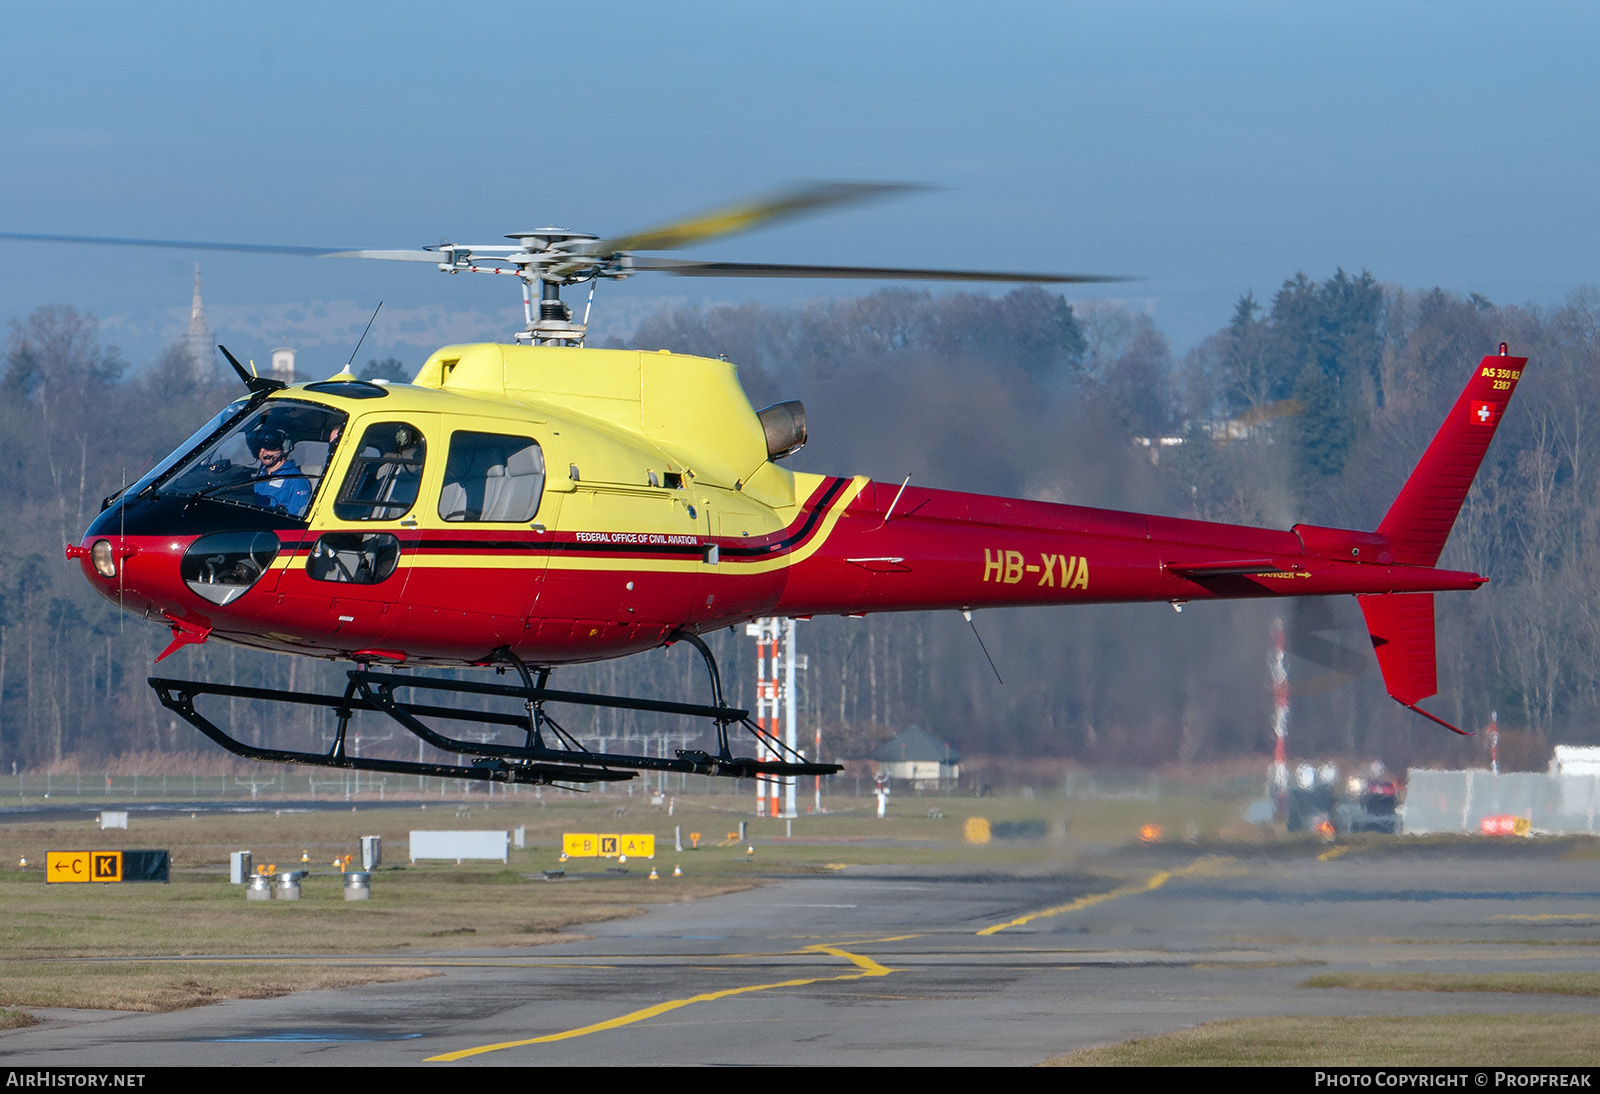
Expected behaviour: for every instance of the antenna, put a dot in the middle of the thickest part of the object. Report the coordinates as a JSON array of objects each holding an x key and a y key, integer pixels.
[
  {"x": 966, "y": 613},
  {"x": 346, "y": 370}
]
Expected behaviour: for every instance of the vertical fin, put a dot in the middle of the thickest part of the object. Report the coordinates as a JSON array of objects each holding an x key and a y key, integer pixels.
[
  {"x": 1419, "y": 522},
  {"x": 1423, "y": 513},
  {"x": 1401, "y": 626}
]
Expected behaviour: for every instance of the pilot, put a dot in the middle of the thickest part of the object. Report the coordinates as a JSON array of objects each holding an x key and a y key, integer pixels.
[{"x": 280, "y": 484}]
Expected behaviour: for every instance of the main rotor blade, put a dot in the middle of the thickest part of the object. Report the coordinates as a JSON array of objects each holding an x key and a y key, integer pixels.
[
  {"x": 741, "y": 216},
  {"x": 246, "y": 248},
  {"x": 389, "y": 256},
  {"x": 690, "y": 268}
]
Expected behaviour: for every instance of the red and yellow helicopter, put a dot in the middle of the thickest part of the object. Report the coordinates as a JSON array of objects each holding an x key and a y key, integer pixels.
[{"x": 529, "y": 505}]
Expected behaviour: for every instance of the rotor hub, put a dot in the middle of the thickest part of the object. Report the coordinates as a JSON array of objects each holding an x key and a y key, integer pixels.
[{"x": 549, "y": 237}]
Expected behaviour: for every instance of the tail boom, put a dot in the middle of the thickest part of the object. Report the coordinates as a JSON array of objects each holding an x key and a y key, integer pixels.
[
  {"x": 964, "y": 551},
  {"x": 899, "y": 549}
]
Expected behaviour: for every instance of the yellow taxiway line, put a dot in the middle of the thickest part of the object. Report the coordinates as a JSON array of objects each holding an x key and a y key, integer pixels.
[
  {"x": 867, "y": 967},
  {"x": 1550, "y": 915},
  {"x": 1150, "y": 884}
]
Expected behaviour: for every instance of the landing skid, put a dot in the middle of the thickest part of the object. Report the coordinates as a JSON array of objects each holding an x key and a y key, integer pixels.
[{"x": 550, "y": 754}]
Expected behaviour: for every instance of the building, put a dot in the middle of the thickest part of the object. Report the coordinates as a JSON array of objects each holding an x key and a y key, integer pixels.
[
  {"x": 283, "y": 364},
  {"x": 1575, "y": 760},
  {"x": 199, "y": 336},
  {"x": 915, "y": 757}
]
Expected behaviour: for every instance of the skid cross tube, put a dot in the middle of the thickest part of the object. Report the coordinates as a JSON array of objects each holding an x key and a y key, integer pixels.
[{"x": 377, "y": 688}]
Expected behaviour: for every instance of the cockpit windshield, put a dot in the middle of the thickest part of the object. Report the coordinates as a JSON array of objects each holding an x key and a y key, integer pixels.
[
  {"x": 270, "y": 459},
  {"x": 227, "y": 414}
]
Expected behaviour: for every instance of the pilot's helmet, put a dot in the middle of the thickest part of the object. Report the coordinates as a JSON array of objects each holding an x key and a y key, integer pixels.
[{"x": 271, "y": 438}]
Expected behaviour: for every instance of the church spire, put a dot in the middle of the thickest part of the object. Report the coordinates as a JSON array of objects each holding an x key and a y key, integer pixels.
[{"x": 199, "y": 336}]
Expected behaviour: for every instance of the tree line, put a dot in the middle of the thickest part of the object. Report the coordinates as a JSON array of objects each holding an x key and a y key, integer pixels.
[{"x": 1310, "y": 406}]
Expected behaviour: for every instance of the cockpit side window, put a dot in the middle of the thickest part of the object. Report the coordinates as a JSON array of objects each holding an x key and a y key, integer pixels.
[
  {"x": 385, "y": 473},
  {"x": 492, "y": 477}
]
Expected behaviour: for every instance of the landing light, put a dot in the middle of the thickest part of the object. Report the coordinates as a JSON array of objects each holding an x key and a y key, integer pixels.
[{"x": 105, "y": 563}]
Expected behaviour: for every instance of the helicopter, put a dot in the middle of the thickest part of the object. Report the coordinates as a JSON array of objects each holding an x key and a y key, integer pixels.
[{"x": 527, "y": 505}]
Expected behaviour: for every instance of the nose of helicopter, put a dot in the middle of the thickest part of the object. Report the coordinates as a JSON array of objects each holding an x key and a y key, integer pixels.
[
  {"x": 182, "y": 581},
  {"x": 138, "y": 573}
]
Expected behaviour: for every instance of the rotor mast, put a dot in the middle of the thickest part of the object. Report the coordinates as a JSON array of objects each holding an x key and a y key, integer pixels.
[{"x": 549, "y": 322}]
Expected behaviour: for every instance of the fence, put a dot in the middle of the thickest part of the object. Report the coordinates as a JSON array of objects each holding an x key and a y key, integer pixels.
[
  {"x": 31, "y": 787},
  {"x": 1458, "y": 801}
]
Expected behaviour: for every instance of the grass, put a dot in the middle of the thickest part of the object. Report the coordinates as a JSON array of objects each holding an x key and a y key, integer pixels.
[
  {"x": 415, "y": 909},
  {"x": 412, "y": 908},
  {"x": 429, "y": 906},
  {"x": 173, "y": 985},
  {"x": 48, "y": 928},
  {"x": 852, "y": 833},
  {"x": 1524, "y": 983},
  {"x": 1382, "y": 1041},
  {"x": 1457, "y": 1040}
]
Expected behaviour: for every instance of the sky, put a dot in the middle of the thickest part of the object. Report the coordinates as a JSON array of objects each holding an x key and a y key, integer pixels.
[{"x": 1211, "y": 149}]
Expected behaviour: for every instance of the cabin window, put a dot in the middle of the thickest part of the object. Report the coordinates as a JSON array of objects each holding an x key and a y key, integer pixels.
[
  {"x": 385, "y": 473},
  {"x": 359, "y": 558},
  {"x": 492, "y": 477}
]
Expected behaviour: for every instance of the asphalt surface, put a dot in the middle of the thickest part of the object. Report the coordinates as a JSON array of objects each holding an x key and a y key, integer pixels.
[{"x": 903, "y": 966}]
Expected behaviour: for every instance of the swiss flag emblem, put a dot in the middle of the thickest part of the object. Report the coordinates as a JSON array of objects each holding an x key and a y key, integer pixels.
[{"x": 1484, "y": 413}]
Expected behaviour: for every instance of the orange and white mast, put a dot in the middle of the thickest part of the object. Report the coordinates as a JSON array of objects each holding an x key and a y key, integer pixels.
[
  {"x": 775, "y": 642},
  {"x": 1278, "y": 773}
]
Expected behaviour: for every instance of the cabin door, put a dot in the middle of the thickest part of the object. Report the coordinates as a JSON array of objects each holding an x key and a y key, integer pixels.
[
  {"x": 481, "y": 545},
  {"x": 358, "y": 565}
]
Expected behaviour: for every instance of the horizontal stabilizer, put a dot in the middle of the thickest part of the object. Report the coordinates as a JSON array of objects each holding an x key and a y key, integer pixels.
[{"x": 1232, "y": 566}]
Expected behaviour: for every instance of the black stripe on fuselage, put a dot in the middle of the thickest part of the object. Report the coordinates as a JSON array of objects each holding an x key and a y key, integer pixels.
[
  {"x": 818, "y": 511},
  {"x": 544, "y": 545}
]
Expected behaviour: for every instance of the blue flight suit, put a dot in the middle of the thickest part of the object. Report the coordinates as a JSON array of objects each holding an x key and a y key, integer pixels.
[{"x": 291, "y": 494}]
